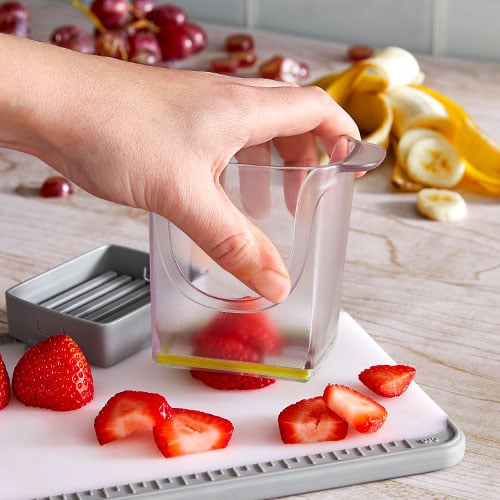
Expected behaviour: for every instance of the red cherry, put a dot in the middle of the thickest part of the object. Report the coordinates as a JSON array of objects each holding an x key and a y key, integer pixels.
[
  {"x": 197, "y": 34},
  {"x": 224, "y": 65},
  {"x": 175, "y": 43},
  {"x": 56, "y": 187},
  {"x": 245, "y": 58},
  {"x": 14, "y": 10},
  {"x": 359, "y": 52},
  {"x": 144, "y": 48},
  {"x": 112, "y": 44},
  {"x": 284, "y": 69},
  {"x": 111, "y": 13},
  {"x": 74, "y": 38},
  {"x": 15, "y": 26},
  {"x": 140, "y": 8},
  {"x": 167, "y": 16},
  {"x": 239, "y": 41}
]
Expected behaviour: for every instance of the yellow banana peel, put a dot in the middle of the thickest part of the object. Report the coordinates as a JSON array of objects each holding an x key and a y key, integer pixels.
[{"x": 362, "y": 90}]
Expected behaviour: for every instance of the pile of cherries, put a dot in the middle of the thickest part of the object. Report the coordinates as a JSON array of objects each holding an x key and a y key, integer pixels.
[{"x": 135, "y": 30}]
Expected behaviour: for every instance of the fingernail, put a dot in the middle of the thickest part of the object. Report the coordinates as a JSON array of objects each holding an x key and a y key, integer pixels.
[{"x": 273, "y": 286}]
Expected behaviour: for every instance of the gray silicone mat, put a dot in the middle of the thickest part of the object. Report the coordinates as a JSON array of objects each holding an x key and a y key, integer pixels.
[{"x": 300, "y": 474}]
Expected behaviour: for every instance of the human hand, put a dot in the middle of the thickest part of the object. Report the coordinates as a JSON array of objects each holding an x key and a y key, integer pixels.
[{"x": 159, "y": 140}]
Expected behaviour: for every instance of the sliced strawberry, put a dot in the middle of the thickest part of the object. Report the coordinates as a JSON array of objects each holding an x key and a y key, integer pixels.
[
  {"x": 214, "y": 346},
  {"x": 360, "y": 411},
  {"x": 225, "y": 381},
  {"x": 310, "y": 421},
  {"x": 53, "y": 374},
  {"x": 4, "y": 385},
  {"x": 388, "y": 380},
  {"x": 255, "y": 329},
  {"x": 192, "y": 431},
  {"x": 128, "y": 411}
]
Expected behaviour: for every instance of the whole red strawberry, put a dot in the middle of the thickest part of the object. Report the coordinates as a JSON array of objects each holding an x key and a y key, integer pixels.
[
  {"x": 4, "y": 385},
  {"x": 53, "y": 374}
]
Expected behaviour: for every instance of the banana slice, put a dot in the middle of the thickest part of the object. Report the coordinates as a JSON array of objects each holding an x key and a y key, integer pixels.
[
  {"x": 409, "y": 138},
  {"x": 434, "y": 162},
  {"x": 414, "y": 108},
  {"x": 441, "y": 204}
]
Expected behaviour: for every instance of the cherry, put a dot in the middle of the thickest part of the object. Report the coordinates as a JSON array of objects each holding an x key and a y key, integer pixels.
[
  {"x": 175, "y": 43},
  {"x": 224, "y": 65},
  {"x": 74, "y": 38},
  {"x": 359, "y": 52},
  {"x": 56, "y": 187},
  {"x": 14, "y": 26},
  {"x": 238, "y": 42},
  {"x": 15, "y": 19},
  {"x": 197, "y": 34},
  {"x": 284, "y": 69},
  {"x": 111, "y": 13},
  {"x": 144, "y": 48},
  {"x": 140, "y": 8},
  {"x": 112, "y": 44},
  {"x": 167, "y": 16},
  {"x": 14, "y": 10},
  {"x": 245, "y": 58}
]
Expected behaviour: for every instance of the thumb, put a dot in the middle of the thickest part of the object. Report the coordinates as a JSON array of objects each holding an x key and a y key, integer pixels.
[{"x": 236, "y": 244}]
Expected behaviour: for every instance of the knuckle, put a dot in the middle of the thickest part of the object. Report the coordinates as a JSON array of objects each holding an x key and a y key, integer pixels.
[{"x": 235, "y": 252}]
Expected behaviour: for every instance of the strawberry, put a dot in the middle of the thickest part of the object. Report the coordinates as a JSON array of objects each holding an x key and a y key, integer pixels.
[
  {"x": 388, "y": 380},
  {"x": 358, "y": 410},
  {"x": 191, "y": 431},
  {"x": 233, "y": 349},
  {"x": 310, "y": 421},
  {"x": 226, "y": 348},
  {"x": 254, "y": 329},
  {"x": 4, "y": 385},
  {"x": 128, "y": 411},
  {"x": 53, "y": 374},
  {"x": 226, "y": 381}
]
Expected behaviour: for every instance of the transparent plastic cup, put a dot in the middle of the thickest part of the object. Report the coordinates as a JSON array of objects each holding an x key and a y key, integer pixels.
[{"x": 200, "y": 312}]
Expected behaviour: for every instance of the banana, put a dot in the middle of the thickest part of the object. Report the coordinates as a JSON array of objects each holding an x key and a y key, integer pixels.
[
  {"x": 372, "y": 112},
  {"x": 475, "y": 145},
  {"x": 414, "y": 108},
  {"x": 386, "y": 97},
  {"x": 396, "y": 66},
  {"x": 433, "y": 161},
  {"x": 441, "y": 204},
  {"x": 408, "y": 139}
]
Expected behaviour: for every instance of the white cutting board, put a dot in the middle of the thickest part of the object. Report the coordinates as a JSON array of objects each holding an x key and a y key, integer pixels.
[{"x": 44, "y": 453}]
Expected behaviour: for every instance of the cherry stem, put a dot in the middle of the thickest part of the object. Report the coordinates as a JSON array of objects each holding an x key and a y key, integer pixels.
[{"x": 90, "y": 15}]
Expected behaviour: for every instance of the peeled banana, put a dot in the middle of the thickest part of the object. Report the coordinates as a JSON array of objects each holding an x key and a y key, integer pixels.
[
  {"x": 436, "y": 142},
  {"x": 414, "y": 108},
  {"x": 441, "y": 204}
]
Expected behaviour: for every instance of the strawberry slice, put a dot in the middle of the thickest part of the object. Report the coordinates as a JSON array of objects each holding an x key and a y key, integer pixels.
[
  {"x": 4, "y": 385},
  {"x": 53, "y": 374},
  {"x": 388, "y": 380},
  {"x": 128, "y": 411},
  {"x": 192, "y": 431},
  {"x": 358, "y": 410},
  {"x": 310, "y": 421}
]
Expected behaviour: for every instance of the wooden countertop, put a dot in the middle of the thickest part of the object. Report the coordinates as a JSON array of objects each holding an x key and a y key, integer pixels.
[{"x": 427, "y": 292}]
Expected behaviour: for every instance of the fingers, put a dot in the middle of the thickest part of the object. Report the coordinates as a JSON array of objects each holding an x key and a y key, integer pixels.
[
  {"x": 289, "y": 111},
  {"x": 234, "y": 243}
]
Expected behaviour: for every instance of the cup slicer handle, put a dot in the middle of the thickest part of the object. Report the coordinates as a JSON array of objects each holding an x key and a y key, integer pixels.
[{"x": 352, "y": 155}]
